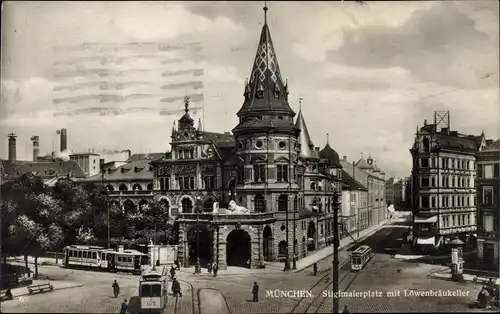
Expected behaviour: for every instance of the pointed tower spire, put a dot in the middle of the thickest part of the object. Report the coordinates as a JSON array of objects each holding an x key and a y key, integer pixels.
[
  {"x": 173, "y": 129},
  {"x": 306, "y": 144},
  {"x": 199, "y": 125},
  {"x": 186, "y": 104},
  {"x": 267, "y": 92},
  {"x": 327, "y": 139}
]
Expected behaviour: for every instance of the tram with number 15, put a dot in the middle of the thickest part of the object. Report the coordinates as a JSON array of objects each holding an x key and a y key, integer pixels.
[
  {"x": 153, "y": 289},
  {"x": 360, "y": 257}
]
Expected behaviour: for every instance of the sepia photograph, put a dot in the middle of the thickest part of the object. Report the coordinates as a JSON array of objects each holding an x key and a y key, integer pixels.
[{"x": 225, "y": 157}]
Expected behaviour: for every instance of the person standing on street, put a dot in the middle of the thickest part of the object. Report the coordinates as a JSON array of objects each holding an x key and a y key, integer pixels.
[
  {"x": 116, "y": 289},
  {"x": 123, "y": 309},
  {"x": 209, "y": 269},
  {"x": 216, "y": 269},
  {"x": 255, "y": 292},
  {"x": 315, "y": 268},
  {"x": 172, "y": 272}
]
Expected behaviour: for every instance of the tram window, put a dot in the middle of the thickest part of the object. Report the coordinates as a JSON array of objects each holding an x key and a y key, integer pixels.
[
  {"x": 94, "y": 255},
  {"x": 155, "y": 291},
  {"x": 70, "y": 253},
  {"x": 119, "y": 259},
  {"x": 84, "y": 254},
  {"x": 145, "y": 290},
  {"x": 80, "y": 254},
  {"x": 129, "y": 259}
]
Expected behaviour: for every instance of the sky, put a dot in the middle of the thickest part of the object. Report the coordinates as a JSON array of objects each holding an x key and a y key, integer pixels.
[{"x": 368, "y": 73}]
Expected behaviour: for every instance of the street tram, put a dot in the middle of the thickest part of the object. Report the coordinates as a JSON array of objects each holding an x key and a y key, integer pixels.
[
  {"x": 360, "y": 257},
  {"x": 153, "y": 289},
  {"x": 99, "y": 258}
]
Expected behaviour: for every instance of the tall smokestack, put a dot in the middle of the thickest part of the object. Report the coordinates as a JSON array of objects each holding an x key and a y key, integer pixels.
[
  {"x": 12, "y": 146},
  {"x": 64, "y": 139},
  {"x": 36, "y": 147}
]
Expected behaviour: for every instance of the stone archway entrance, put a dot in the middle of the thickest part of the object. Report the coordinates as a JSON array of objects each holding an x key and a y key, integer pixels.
[
  {"x": 311, "y": 237},
  {"x": 267, "y": 244},
  {"x": 238, "y": 249},
  {"x": 199, "y": 245}
]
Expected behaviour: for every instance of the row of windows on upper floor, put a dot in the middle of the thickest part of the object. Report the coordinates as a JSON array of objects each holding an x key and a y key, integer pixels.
[
  {"x": 488, "y": 171},
  {"x": 446, "y": 201},
  {"x": 455, "y": 182},
  {"x": 187, "y": 183},
  {"x": 447, "y": 163},
  {"x": 457, "y": 220}
]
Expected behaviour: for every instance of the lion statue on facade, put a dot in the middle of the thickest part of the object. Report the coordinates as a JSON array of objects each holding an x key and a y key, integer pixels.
[{"x": 235, "y": 209}]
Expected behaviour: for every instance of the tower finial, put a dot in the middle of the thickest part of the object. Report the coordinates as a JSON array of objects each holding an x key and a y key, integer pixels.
[
  {"x": 186, "y": 104},
  {"x": 265, "y": 12},
  {"x": 300, "y": 103},
  {"x": 327, "y": 138}
]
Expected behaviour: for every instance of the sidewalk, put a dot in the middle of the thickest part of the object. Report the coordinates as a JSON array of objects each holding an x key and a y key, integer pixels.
[
  {"x": 467, "y": 277},
  {"x": 58, "y": 285}
]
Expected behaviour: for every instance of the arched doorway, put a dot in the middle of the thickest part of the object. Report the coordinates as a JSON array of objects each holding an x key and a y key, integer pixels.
[
  {"x": 267, "y": 244},
  {"x": 187, "y": 205},
  {"x": 128, "y": 207},
  {"x": 238, "y": 248},
  {"x": 311, "y": 237},
  {"x": 208, "y": 205},
  {"x": 200, "y": 245}
]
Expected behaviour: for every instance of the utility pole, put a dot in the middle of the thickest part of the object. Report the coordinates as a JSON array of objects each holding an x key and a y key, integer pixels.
[{"x": 335, "y": 270}]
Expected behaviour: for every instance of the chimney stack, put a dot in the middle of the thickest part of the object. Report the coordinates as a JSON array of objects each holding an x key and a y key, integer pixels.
[
  {"x": 344, "y": 158},
  {"x": 64, "y": 140},
  {"x": 12, "y": 146},
  {"x": 36, "y": 147}
]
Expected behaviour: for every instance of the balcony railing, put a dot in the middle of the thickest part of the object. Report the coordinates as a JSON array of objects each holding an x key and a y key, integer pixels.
[
  {"x": 217, "y": 217},
  {"x": 130, "y": 193}
]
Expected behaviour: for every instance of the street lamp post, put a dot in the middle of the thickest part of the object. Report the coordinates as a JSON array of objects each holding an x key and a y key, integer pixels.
[
  {"x": 109, "y": 224},
  {"x": 335, "y": 270},
  {"x": 287, "y": 258},
  {"x": 294, "y": 260},
  {"x": 197, "y": 267}
]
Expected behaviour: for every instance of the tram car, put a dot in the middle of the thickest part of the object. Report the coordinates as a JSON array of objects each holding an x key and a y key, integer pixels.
[
  {"x": 99, "y": 258},
  {"x": 360, "y": 257},
  {"x": 153, "y": 289}
]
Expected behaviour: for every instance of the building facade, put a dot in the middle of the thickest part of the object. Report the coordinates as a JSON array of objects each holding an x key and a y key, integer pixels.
[
  {"x": 488, "y": 205},
  {"x": 354, "y": 205},
  {"x": 261, "y": 194},
  {"x": 389, "y": 191},
  {"x": 401, "y": 191},
  {"x": 444, "y": 197}
]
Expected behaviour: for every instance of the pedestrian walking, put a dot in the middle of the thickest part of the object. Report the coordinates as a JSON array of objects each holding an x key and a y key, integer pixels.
[
  {"x": 345, "y": 309},
  {"x": 209, "y": 269},
  {"x": 177, "y": 264},
  {"x": 172, "y": 272},
  {"x": 176, "y": 288},
  {"x": 216, "y": 269},
  {"x": 116, "y": 288},
  {"x": 8, "y": 294},
  {"x": 315, "y": 269},
  {"x": 255, "y": 292},
  {"x": 123, "y": 309}
]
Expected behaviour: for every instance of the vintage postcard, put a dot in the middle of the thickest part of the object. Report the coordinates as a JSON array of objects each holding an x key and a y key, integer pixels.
[{"x": 198, "y": 157}]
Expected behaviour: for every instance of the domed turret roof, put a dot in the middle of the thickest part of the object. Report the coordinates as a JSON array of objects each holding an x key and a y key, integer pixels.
[{"x": 330, "y": 154}]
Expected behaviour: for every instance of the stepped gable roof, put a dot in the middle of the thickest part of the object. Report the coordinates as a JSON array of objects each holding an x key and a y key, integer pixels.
[
  {"x": 306, "y": 144},
  {"x": 332, "y": 156}
]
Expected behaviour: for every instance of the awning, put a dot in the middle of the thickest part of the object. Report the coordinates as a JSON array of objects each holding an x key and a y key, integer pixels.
[
  {"x": 426, "y": 241},
  {"x": 425, "y": 220}
]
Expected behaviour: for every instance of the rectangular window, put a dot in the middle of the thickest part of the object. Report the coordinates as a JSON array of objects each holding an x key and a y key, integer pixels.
[
  {"x": 425, "y": 182},
  {"x": 487, "y": 171},
  {"x": 425, "y": 201},
  {"x": 487, "y": 195},
  {"x": 452, "y": 163},
  {"x": 180, "y": 182},
  {"x": 259, "y": 173},
  {"x": 282, "y": 173},
  {"x": 424, "y": 162},
  {"x": 453, "y": 201},
  {"x": 488, "y": 223},
  {"x": 191, "y": 183},
  {"x": 453, "y": 220},
  {"x": 433, "y": 181},
  {"x": 433, "y": 202},
  {"x": 443, "y": 163},
  {"x": 240, "y": 174},
  {"x": 186, "y": 183},
  {"x": 209, "y": 182}
]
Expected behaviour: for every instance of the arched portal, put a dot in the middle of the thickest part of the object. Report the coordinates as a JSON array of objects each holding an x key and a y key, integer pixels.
[
  {"x": 208, "y": 205},
  {"x": 267, "y": 244},
  {"x": 311, "y": 237},
  {"x": 238, "y": 248},
  {"x": 128, "y": 207},
  {"x": 187, "y": 205},
  {"x": 200, "y": 245},
  {"x": 137, "y": 187}
]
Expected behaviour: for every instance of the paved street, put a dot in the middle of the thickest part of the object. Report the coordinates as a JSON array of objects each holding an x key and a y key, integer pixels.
[{"x": 382, "y": 274}]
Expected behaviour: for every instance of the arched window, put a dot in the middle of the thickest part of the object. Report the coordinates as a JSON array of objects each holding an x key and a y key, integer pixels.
[
  {"x": 137, "y": 187},
  {"x": 110, "y": 188},
  {"x": 283, "y": 203},
  {"x": 208, "y": 205},
  {"x": 260, "y": 203},
  {"x": 187, "y": 205},
  {"x": 123, "y": 187}
]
